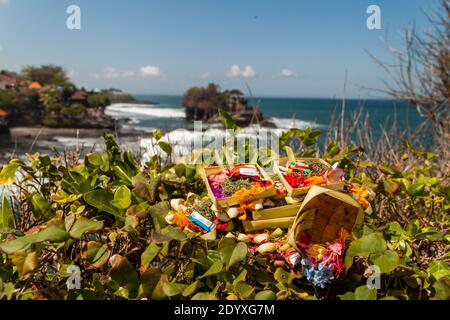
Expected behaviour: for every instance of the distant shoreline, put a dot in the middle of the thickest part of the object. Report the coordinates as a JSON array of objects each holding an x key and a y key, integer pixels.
[{"x": 49, "y": 133}]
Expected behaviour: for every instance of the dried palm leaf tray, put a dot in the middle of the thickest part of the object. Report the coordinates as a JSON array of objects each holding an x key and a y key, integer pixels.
[
  {"x": 256, "y": 225},
  {"x": 234, "y": 200},
  {"x": 290, "y": 210},
  {"x": 293, "y": 192},
  {"x": 323, "y": 215}
]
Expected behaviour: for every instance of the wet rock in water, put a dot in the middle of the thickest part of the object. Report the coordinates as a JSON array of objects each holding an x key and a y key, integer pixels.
[{"x": 5, "y": 136}]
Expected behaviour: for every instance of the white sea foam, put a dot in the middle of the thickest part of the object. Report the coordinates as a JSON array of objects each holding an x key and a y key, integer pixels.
[
  {"x": 285, "y": 123},
  {"x": 125, "y": 110},
  {"x": 183, "y": 140}
]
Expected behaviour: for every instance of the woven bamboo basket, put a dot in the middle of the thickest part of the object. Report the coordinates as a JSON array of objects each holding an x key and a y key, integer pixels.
[
  {"x": 293, "y": 192},
  {"x": 323, "y": 214},
  {"x": 234, "y": 200}
]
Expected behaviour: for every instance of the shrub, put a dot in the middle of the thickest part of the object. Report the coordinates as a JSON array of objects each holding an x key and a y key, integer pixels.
[{"x": 106, "y": 215}]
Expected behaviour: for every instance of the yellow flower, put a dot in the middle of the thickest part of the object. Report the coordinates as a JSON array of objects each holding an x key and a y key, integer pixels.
[{"x": 317, "y": 251}]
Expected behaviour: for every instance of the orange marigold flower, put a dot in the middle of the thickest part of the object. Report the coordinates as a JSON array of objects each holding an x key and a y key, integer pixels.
[{"x": 315, "y": 180}]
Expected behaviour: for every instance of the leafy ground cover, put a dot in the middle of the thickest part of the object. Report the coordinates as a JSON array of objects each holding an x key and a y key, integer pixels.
[{"x": 106, "y": 214}]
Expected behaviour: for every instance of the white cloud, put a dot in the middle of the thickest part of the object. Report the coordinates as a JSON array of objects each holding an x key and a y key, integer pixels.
[
  {"x": 248, "y": 72},
  {"x": 112, "y": 73},
  {"x": 4, "y": 1},
  {"x": 127, "y": 74},
  {"x": 236, "y": 71},
  {"x": 150, "y": 71},
  {"x": 285, "y": 72},
  {"x": 205, "y": 75},
  {"x": 72, "y": 73}
]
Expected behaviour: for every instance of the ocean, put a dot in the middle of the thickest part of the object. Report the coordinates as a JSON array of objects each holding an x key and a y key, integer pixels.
[
  {"x": 286, "y": 113},
  {"x": 168, "y": 115}
]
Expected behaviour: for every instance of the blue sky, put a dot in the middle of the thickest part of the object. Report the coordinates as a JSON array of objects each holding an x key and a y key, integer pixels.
[{"x": 279, "y": 48}]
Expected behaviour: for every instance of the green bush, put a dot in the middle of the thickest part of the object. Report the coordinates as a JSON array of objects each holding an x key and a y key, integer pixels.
[
  {"x": 74, "y": 110},
  {"x": 50, "y": 122},
  {"x": 106, "y": 215}
]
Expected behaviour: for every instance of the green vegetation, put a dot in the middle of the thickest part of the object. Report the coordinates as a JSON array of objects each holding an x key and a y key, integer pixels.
[
  {"x": 106, "y": 214},
  {"x": 45, "y": 96},
  {"x": 46, "y": 75}
]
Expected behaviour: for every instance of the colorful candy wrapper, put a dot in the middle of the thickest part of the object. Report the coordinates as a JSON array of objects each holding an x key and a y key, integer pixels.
[{"x": 201, "y": 221}]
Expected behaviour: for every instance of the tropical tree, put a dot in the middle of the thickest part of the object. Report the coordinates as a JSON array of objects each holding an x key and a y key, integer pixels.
[
  {"x": 46, "y": 75},
  {"x": 99, "y": 100}
]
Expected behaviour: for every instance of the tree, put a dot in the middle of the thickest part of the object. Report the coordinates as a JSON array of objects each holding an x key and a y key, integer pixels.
[
  {"x": 46, "y": 75},
  {"x": 98, "y": 100},
  {"x": 420, "y": 74},
  {"x": 50, "y": 98}
]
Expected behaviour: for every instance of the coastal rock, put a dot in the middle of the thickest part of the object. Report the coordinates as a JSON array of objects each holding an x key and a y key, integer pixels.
[{"x": 5, "y": 136}]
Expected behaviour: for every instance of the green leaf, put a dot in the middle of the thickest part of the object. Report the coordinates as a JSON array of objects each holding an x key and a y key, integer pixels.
[
  {"x": 158, "y": 213},
  {"x": 40, "y": 204},
  {"x": 95, "y": 159},
  {"x": 122, "y": 198},
  {"x": 204, "y": 296},
  {"x": 387, "y": 261},
  {"x": 167, "y": 148},
  {"x": 281, "y": 275},
  {"x": 388, "y": 170},
  {"x": 391, "y": 186},
  {"x": 102, "y": 200},
  {"x": 63, "y": 197},
  {"x": 215, "y": 268},
  {"x": 365, "y": 293},
  {"x": 347, "y": 296},
  {"x": 124, "y": 274},
  {"x": 438, "y": 269},
  {"x": 266, "y": 295},
  {"x": 388, "y": 298},
  {"x": 148, "y": 255},
  {"x": 8, "y": 173},
  {"x": 232, "y": 253},
  {"x": 25, "y": 262},
  {"x": 363, "y": 247},
  {"x": 121, "y": 173},
  {"x": 150, "y": 279},
  {"x": 83, "y": 225},
  {"x": 147, "y": 191},
  {"x": 238, "y": 255},
  {"x": 157, "y": 134},
  {"x": 172, "y": 289},
  {"x": 227, "y": 121},
  {"x": 192, "y": 288},
  {"x": 6, "y": 214},
  {"x": 442, "y": 288},
  {"x": 244, "y": 290},
  {"x": 51, "y": 234},
  {"x": 101, "y": 257},
  {"x": 241, "y": 277}
]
